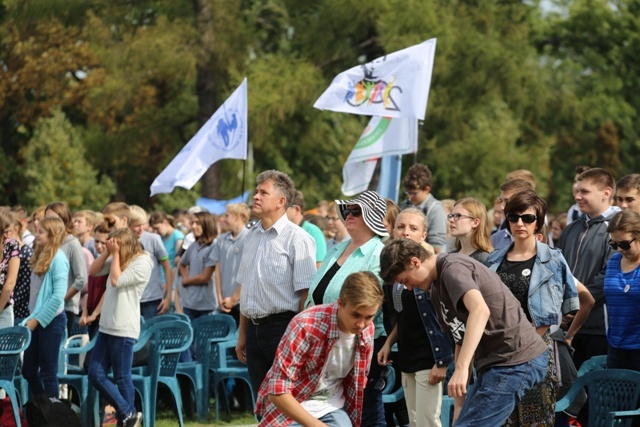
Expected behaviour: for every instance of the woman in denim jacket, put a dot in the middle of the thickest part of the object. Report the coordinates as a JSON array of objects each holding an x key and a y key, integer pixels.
[
  {"x": 541, "y": 280},
  {"x": 424, "y": 351}
]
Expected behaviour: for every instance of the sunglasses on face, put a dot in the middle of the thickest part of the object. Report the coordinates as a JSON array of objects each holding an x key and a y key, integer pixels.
[
  {"x": 625, "y": 245},
  {"x": 526, "y": 218},
  {"x": 355, "y": 211}
]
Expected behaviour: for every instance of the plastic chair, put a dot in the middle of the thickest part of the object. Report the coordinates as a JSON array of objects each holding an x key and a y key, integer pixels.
[
  {"x": 596, "y": 363},
  {"x": 207, "y": 330},
  {"x": 13, "y": 341},
  {"x": 168, "y": 340},
  {"x": 74, "y": 376},
  {"x": 609, "y": 390},
  {"x": 223, "y": 368},
  {"x": 389, "y": 395}
]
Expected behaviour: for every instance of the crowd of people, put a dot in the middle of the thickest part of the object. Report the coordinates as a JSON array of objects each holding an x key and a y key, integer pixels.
[{"x": 325, "y": 301}]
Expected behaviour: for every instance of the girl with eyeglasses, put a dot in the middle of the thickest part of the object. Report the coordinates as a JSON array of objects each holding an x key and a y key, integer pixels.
[
  {"x": 541, "y": 280},
  {"x": 622, "y": 291},
  {"x": 468, "y": 224}
]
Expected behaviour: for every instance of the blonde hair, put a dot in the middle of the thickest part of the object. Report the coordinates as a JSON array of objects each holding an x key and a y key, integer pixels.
[
  {"x": 43, "y": 255},
  {"x": 361, "y": 289},
  {"x": 130, "y": 246},
  {"x": 118, "y": 209},
  {"x": 240, "y": 209},
  {"x": 137, "y": 215},
  {"x": 479, "y": 235},
  {"x": 92, "y": 218}
]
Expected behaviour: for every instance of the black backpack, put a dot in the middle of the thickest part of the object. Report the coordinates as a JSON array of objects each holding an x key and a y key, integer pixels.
[{"x": 47, "y": 411}]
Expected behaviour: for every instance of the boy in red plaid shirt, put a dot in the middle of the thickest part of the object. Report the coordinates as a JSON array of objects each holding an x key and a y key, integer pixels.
[{"x": 320, "y": 370}]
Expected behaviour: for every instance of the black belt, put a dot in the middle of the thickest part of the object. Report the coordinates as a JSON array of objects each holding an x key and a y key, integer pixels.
[{"x": 285, "y": 315}]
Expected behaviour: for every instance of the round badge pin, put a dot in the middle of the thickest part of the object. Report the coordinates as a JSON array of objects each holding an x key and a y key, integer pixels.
[{"x": 526, "y": 272}]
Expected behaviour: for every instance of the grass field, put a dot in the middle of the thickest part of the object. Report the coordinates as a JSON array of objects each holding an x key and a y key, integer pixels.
[{"x": 168, "y": 419}]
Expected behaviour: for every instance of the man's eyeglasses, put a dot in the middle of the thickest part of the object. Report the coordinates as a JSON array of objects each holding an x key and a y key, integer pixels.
[
  {"x": 456, "y": 217},
  {"x": 526, "y": 218},
  {"x": 355, "y": 211},
  {"x": 412, "y": 193},
  {"x": 625, "y": 245}
]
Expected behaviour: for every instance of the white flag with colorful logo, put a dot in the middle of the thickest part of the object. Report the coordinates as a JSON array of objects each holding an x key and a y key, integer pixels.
[
  {"x": 223, "y": 136},
  {"x": 383, "y": 136},
  {"x": 395, "y": 85}
]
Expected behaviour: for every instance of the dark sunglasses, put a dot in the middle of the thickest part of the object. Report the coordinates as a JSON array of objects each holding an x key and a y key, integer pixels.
[
  {"x": 625, "y": 245},
  {"x": 355, "y": 211},
  {"x": 526, "y": 218}
]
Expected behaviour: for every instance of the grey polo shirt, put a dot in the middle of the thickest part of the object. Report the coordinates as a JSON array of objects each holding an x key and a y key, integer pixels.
[
  {"x": 152, "y": 243},
  {"x": 198, "y": 297},
  {"x": 228, "y": 251}
]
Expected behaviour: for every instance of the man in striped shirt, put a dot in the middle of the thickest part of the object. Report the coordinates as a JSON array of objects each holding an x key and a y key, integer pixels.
[
  {"x": 277, "y": 266},
  {"x": 319, "y": 373}
]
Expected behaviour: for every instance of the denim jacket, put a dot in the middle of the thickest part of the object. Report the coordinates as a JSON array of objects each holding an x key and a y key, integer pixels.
[
  {"x": 441, "y": 342},
  {"x": 552, "y": 289}
]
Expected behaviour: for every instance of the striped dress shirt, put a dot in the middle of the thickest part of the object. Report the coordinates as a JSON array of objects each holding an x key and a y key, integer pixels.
[{"x": 277, "y": 263}]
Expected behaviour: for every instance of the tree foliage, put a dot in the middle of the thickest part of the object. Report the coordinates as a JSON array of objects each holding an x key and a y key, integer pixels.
[
  {"x": 515, "y": 85},
  {"x": 56, "y": 168}
]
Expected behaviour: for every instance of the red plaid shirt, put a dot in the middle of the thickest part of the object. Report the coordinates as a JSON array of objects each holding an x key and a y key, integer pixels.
[{"x": 299, "y": 363}]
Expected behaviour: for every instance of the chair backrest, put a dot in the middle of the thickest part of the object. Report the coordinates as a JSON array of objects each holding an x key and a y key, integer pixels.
[
  {"x": 13, "y": 341},
  {"x": 609, "y": 390},
  {"x": 168, "y": 340},
  {"x": 594, "y": 364},
  {"x": 211, "y": 329}
]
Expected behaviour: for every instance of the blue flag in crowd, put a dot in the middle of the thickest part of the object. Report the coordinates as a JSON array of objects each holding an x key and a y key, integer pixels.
[{"x": 223, "y": 136}]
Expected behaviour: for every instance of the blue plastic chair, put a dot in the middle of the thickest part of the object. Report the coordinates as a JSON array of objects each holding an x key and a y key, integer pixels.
[
  {"x": 168, "y": 340},
  {"x": 207, "y": 330},
  {"x": 596, "y": 363},
  {"x": 609, "y": 390},
  {"x": 13, "y": 341},
  {"x": 222, "y": 368},
  {"x": 389, "y": 395},
  {"x": 76, "y": 378}
]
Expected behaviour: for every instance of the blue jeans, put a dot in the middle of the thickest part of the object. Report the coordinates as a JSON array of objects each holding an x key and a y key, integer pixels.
[
  {"x": 337, "y": 418},
  {"x": 372, "y": 407},
  {"x": 262, "y": 344},
  {"x": 40, "y": 367},
  {"x": 111, "y": 352},
  {"x": 149, "y": 309},
  {"x": 492, "y": 398}
]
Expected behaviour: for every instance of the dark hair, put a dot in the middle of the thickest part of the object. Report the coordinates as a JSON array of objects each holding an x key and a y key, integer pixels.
[
  {"x": 209, "y": 227},
  {"x": 524, "y": 200},
  {"x": 396, "y": 255},
  {"x": 516, "y": 185},
  {"x": 63, "y": 212},
  {"x": 627, "y": 221},
  {"x": 602, "y": 178},
  {"x": 418, "y": 177},
  {"x": 107, "y": 226},
  {"x": 629, "y": 182},
  {"x": 158, "y": 216}
]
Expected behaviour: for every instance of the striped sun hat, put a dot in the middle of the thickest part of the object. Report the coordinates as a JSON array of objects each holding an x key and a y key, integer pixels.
[{"x": 374, "y": 208}]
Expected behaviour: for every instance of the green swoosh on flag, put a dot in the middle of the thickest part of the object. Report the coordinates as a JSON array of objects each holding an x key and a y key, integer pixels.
[{"x": 374, "y": 135}]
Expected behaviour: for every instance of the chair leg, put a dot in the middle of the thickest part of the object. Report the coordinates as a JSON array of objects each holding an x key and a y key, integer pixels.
[{"x": 14, "y": 405}]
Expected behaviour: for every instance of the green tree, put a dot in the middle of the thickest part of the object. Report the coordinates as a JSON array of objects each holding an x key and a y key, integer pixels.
[{"x": 56, "y": 168}]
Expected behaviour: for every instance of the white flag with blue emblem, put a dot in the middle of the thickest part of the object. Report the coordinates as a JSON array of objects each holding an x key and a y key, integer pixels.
[
  {"x": 394, "y": 85},
  {"x": 223, "y": 136},
  {"x": 383, "y": 136}
]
